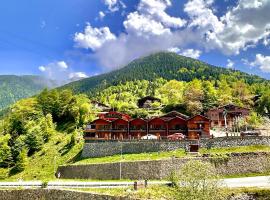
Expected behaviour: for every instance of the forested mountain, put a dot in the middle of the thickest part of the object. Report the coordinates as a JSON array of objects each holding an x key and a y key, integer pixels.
[
  {"x": 165, "y": 65},
  {"x": 13, "y": 88}
]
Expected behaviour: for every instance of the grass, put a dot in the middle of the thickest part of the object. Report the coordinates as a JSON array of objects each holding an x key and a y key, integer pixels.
[
  {"x": 154, "y": 192},
  {"x": 242, "y": 149},
  {"x": 169, "y": 193},
  {"x": 42, "y": 165},
  {"x": 133, "y": 157}
]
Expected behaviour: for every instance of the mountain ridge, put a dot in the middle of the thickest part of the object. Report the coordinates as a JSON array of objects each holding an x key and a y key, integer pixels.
[
  {"x": 165, "y": 65},
  {"x": 15, "y": 87}
]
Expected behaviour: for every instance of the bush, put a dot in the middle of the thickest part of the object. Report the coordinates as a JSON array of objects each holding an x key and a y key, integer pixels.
[
  {"x": 3, "y": 173},
  {"x": 198, "y": 180}
]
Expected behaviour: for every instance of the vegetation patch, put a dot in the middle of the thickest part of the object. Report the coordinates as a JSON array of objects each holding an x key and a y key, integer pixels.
[{"x": 133, "y": 157}]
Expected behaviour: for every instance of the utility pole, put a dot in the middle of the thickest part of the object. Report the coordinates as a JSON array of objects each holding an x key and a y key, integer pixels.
[
  {"x": 120, "y": 170},
  {"x": 225, "y": 120}
]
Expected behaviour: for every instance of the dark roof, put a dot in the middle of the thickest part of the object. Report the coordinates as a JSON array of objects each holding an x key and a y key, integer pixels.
[
  {"x": 200, "y": 116},
  {"x": 173, "y": 114}
]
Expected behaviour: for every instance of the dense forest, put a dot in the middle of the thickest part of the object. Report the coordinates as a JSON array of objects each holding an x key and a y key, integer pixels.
[
  {"x": 13, "y": 88},
  {"x": 168, "y": 66}
]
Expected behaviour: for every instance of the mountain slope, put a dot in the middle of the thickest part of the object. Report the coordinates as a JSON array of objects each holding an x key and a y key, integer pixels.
[
  {"x": 13, "y": 88},
  {"x": 164, "y": 64}
]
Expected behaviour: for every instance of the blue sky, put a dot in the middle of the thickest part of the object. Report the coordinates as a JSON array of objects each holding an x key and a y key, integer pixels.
[{"x": 70, "y": 39}]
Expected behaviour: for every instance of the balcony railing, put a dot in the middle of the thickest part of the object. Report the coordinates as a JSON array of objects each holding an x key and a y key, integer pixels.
[{"x": 137, "y": 130}]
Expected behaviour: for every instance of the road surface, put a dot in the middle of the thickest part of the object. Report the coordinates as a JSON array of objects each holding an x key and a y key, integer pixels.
[{"x": 258, "y": 181}]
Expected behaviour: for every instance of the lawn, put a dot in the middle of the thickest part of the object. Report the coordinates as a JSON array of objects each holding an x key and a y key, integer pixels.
[
  {"x": 133, "y": 157},
  {"x": 169, "y": 193},
  {"x": 43, "y": 164},
  {"x": 242, "y": 149}
]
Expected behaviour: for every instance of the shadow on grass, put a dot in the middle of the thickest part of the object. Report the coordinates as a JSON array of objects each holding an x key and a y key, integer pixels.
[
  {"x": 76, "y": 158},
  {"x": 13, "y": 171},
  {"x": 66, "y": 149}
]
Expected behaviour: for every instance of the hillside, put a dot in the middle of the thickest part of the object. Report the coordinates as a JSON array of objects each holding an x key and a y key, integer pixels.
[
  {"x": 164, "y": 64},
  {"x": 13, "y": 88}
]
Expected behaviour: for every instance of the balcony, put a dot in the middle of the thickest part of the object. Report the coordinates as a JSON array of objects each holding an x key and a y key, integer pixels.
[
  {"x": 138, "y": 130},
  {"x": 157, "y": 130},
  {"x": 119, "y": 130}
]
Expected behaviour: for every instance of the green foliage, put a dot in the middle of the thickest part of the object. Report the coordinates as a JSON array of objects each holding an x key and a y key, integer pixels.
[
  {"x": 33, "y": 122},
  {"x": 22, "y": 161},
  {"x": 168, "y": 66},
  {"x": 219, "y": 158},
  {"x": 198, "y": 180},
  {"x": 13, "y": 88},
  {"x": 182, "y": 84},
  {"x": 5, "y": 151}
]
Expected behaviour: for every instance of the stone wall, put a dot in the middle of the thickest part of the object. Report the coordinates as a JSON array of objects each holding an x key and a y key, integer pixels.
[
  {"x": 236, "y": 163},
  {"x": 100, "y": 149},
  {"x": 50, "y": 194}
]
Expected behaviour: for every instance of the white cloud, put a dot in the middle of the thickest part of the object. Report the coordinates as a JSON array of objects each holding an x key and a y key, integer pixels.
[
  {"x": 150, "y": 29},
  {"x": 43, "y": 24},
  {"x": 93, "y": 38},
  {"x": 101, "y": 15},
  {"x": 192, "y": 53},
  {"x": 114, "y": 5},
  {"x": 42, "y": 68},
  {"x": 60, "y": 72},
  {"x": 230, "y": 64},
  {"x": 263, "y": 62},
  {"x": 77, "y": 75},
  {"x": 240, "y": 28},
  {"x": 151, "y": 19},
  {"x": 143, "y": 25}
]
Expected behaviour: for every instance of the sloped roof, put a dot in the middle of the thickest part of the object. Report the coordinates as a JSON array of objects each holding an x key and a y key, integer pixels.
[{"x": 173, "y": 114}]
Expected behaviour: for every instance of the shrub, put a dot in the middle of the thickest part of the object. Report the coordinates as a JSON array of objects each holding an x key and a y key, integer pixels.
[{"x": 198, "y": 180}]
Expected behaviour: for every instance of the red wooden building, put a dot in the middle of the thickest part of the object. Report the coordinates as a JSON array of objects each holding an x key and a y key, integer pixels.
[
  {"x": 119, "y": 126},
  {"x": 232, "y": 113}
]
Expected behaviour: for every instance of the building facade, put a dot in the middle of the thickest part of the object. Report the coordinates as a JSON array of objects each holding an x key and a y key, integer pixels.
[
  {"x": 230, "y": 112},
  {"x": 119, "y": 126}
]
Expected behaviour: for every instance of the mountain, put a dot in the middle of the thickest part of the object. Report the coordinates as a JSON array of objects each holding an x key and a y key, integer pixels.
[
  {"x": 163, "y": 64},
  {"x": 13, "y": 88}
]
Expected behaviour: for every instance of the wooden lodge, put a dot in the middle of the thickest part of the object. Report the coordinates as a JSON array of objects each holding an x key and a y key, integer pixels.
[
  {"x": 231, "y": 112},
  {"x": 119, "y": 126}
]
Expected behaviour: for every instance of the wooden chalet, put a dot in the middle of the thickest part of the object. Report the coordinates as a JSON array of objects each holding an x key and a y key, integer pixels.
[
  {"x": 232, "y": 113},
  {"x": 119, "y": 126}
]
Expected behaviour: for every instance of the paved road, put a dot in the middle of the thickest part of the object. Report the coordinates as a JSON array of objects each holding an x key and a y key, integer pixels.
[{"x": 258, "y": 181}]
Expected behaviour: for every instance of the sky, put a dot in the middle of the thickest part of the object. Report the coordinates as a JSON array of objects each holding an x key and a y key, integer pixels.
[{"x": 72, "y": 39}]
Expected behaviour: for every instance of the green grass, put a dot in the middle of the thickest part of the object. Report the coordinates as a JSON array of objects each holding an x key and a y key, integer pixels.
[
  {"x": 243, "y": 149},
  {"x": 42, "y": 165},
  {"x": 156, "y": 192},
  {"x": 133, "y": 157}
]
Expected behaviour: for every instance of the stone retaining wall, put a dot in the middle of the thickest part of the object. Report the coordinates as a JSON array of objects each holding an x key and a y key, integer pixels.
[
  {"x": 101, "y": 149},
  {"x": 236, "y": 163},
  {"x": 50, "y": 194}
]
